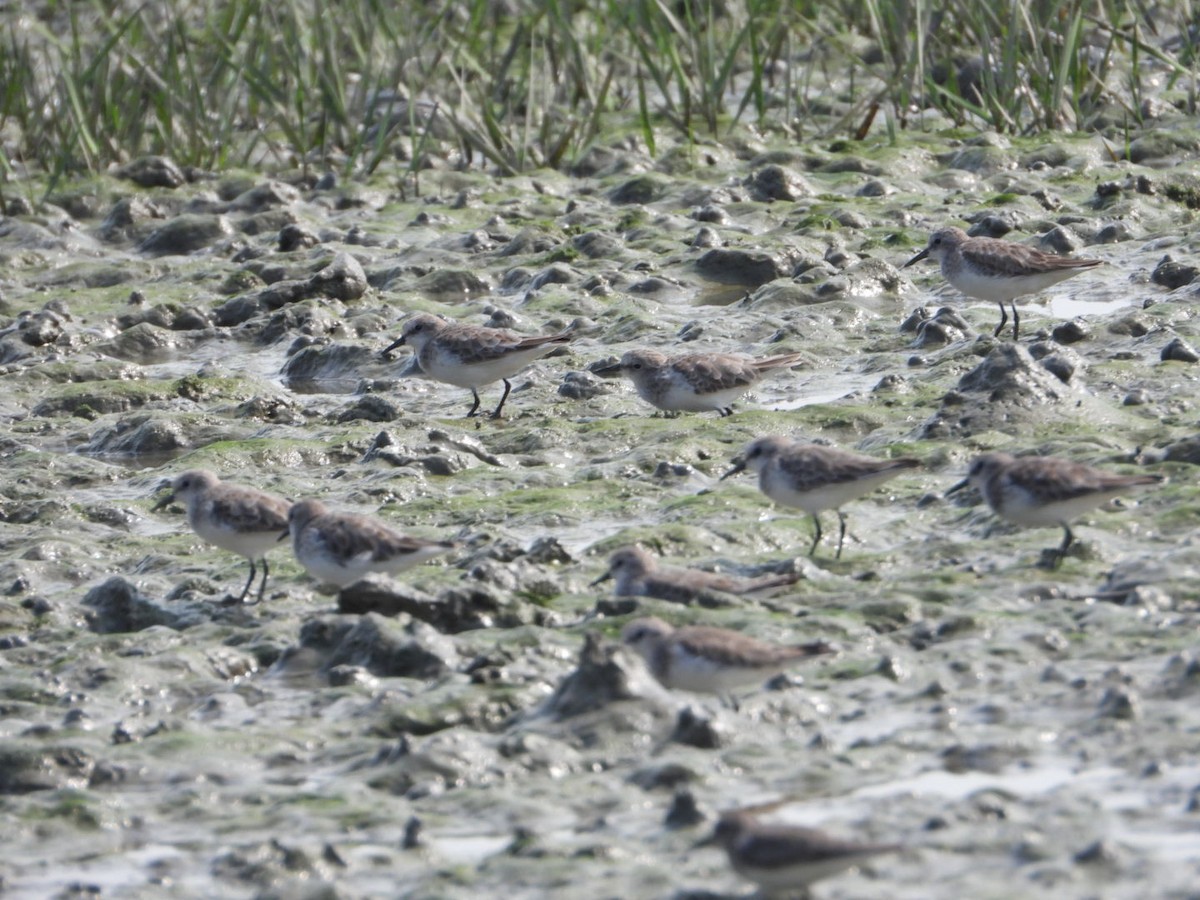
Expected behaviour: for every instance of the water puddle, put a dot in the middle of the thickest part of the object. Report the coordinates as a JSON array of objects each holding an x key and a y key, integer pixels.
[
  {"x": 470, "y": 849},
  {"x": 825, "y": 389},
  {"x": 955, "y": 786},
  {"x": 1070, "y": 307},
  {"x": 716, "y": 294}
]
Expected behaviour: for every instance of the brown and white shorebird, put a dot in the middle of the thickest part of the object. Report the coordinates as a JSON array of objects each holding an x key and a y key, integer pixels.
[
  {"x": 712, "y": 660},
  {"x": 638, "y": 573},
  {"x": 471, "y": 356},
  {"x": 1045, "y": 491},
  {"x": 694, "y": 382},
  {"x": 996, "y": 270},
  {"x": 341, "y": 548},
  {"x": 815, "y": 478},
  {"x": 783, "y": 859},
  {"x": 242, "y": 520}
]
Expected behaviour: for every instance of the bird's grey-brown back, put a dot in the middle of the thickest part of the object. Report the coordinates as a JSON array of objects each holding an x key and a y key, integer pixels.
[
  {"x": 996, "y": 265},
  {"x": 709, "y": 373},
  {"x": 638, "y": 573},
  {"x": 694, "y": 382},
  {"x": 1005, "y": 481},
  {"x": 785, "y": 858},
  {"x": 786, "y": 466},
  {"x": 706, "y": 659},
  {"x": 468, "y": 344},
  {"x": 348, "y": 535},
  {"x": 807, "y": 466},
  {"x": 732, "y": 648},
  {"x": 342, "y": 547}
]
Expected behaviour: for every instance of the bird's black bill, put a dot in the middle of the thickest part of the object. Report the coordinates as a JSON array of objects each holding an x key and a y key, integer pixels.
[
  {"x": 820, "y": 648},
  {"x": 958, "y": 487},
  {"x": 739, "y": 465},
  {"x": 612, "y": 370},
  {"x": 710, "y": 841}
]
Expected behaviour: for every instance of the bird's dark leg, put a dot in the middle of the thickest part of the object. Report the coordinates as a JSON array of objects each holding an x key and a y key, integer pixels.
[
  {"x": 1003, "y": 320},
  {"x": 817, "y": 536},
  {"x": 249, "y": 581},
  {"x": 503, "y": 397},
  {"x": 475, "y": 407},
  {"x": 263, "y": 586},
  {"x": 1061, "y": 552},
  {"x": 1016, "y": 318},
  {"x": 841, "y": 533}
]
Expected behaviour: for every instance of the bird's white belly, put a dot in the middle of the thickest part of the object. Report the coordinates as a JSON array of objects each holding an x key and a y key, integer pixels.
[
  {"x": 779, "y": 488},
  {"x": 689, "y": 672},
  {"x": 794, "y": 876},
  {"x": 1002, "y": 288},
  {"x": 250, "y": 544},
  {"x": 451, "y": 369},
  {"x": 331, "y": 569},
  {"x": 1021, "y": 508},
  {"x": 683, "y": 398}
]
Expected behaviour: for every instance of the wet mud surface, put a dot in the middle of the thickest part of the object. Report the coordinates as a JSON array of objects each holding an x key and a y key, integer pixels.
[{"x": 469, "y": 728}]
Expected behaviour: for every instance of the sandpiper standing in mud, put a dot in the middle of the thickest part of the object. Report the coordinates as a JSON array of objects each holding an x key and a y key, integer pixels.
[
  {"x": 471, "y": 356},
  {"x": 242, "y": 520},
  {"x": 694, "y": 382},
  {"x": 1000, "y": 271},
  {"x": 1045, "y": 491},
  {"x": 341, "y": 548},
  {"x": 815, "y": 478}
]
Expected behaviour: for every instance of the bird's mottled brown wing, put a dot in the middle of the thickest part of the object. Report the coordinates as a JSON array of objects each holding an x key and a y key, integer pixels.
[
  {"x": 1057, "y": 479},
  {"x": 344, "y": 536},
  {"x": 538, "y": 340},
  {"x": 763, "y": 582},
  {"x": 1008, "y": 258},
  {"x": 477, "y": 344},
  {"x": 813, "y": 465},
  {"x": 783, "y": 360},
  {"x": 664, "y": 586},
  {"x": 349, "y": 537},
  {"x": 732, "y": 648},
  {"x": 246, "y": 510},
  {"x": 709, "y": 373},
  {"x": 769, "y": 846}
]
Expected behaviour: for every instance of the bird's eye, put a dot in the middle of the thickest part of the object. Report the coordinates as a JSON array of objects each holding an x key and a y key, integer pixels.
[{"x": 637, "y": 367}]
